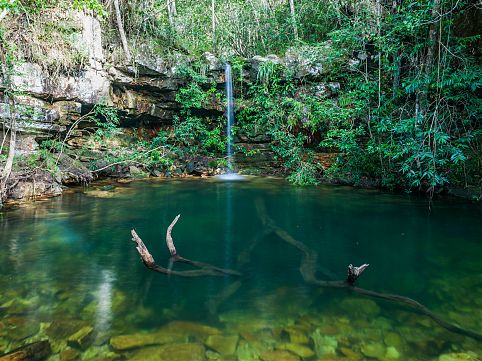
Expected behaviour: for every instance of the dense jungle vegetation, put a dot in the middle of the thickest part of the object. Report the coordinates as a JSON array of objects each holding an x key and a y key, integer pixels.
[{"x": 406, "y": 74}]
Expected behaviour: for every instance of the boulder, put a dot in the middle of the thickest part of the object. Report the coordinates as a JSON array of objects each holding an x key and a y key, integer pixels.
[
  {"x": 224, "y": 344},
  {"x": 82, "y": 338},
  {"x": 213, "y": 63},
  {"x": 258, "y": 60}
]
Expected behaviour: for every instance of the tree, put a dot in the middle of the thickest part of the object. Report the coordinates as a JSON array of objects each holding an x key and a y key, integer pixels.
[
  {"x": 293, "y": 19},
  {"x": 172, "y": 13},
  {"x": 122, "y": 33}
]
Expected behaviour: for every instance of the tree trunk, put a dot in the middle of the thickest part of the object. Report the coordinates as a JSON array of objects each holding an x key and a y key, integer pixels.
[
  {"x": 430, "y": 57},
  {"x": 293, "y": 19},
  {"x": 7, "y": 169},
  {"x": 172, "y": 13},
  {"x": 122, "y": 33},
  {"x": 213, "y": 24}
]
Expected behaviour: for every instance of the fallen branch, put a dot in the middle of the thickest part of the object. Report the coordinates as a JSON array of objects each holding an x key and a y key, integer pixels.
[
  {"x": 308, "y": 268},
  {"x": 203, "y": 269}
]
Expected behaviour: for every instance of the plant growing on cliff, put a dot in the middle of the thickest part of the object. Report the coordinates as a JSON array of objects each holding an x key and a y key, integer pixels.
[{"x": 106, "y": 119}]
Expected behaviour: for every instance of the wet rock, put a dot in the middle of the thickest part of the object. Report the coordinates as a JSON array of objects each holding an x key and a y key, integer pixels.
[
  {"x": 82, "y": 338},
  {"x": 183, "y": 352},
  {"x": 245, "y": 352},
  {"x": 147, "y": 354},
  {"x": 211, "y": 355},
  {"x": 102, "y": 353},
  {"x": 393, "y": 339},
  {"x": 214, "y": 64},
  {"x": 171, "y": 352},
  {"x": 297, "y": 335},
  {"x": 392, "y": 353},
  {"x": 300, "y": 350},
  {"x": 458, "y": 357},
  {"x": 62, "y": 329},
  {"x": 136, "y": 172},
  {"x": 69, "y": 355},
  {"x": 3, "y": 344},
  {"x": 225, "y": 345},
  {"x": 20, "y": 328},
  {"x": 126, "y": 342},
  {"x": 40, "y": 184},
  {"x": 374, "y": 350},
  {"x": 260, "y": 341},
  {"x": 324, "y": 345},
  {"x": 31, "y": 352},
  {"x": 350, "y": 354},
  {"x": 279, "y": 355}
]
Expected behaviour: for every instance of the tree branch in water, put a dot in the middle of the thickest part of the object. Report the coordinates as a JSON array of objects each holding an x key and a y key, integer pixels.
[
  {"x": 203, "y": 269},
  {"x": 308, "y": 268}
]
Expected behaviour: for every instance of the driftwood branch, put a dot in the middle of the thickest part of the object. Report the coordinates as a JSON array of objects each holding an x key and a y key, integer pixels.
[
  {"x": 308, "y": 269},
  {"x": 354, "y": 273},
  {"x": 169, "y": 241},
  {"x": 203, "y": 269}
]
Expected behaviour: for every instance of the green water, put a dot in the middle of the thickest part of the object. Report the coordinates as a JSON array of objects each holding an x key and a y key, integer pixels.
[{"x": 71, "y": 258}]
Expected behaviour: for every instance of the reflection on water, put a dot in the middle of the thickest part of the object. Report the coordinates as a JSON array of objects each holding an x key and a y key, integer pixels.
[{"x": 70, "y": 274}]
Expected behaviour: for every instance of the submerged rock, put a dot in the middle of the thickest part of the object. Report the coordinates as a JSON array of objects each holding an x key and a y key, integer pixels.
[
  {"x": 375, "y": 350},
  {"x": 70, "y": 355},
  {"x": 393, "y": 339},
  {"x": 19, "y": 328},
  {"x": 297, "y": 335},
  {"x": 62, "y": 329},
  {"x": 300, "y": 350},
  {"x": 458, "y": 357},
  {"x": 392, "y": 353},
  {"x": 225, "y": 345},
  {"x": 324, "y": 345},
  {"x": 82, "y": 338},
  {"x": 183, "y": 352},
  {"x": 127, "y": 342},
  {"x": 245, "y": 352},
  {"x": 31, "y": 352},
  {"x": 279, "y": 355}
]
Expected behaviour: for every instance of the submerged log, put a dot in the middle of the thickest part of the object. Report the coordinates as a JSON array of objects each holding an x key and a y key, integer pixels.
[
  {"x": 308, "y": 269},
  {"x": 354, "y": 273},
  {"x": 203, "y": 269},
  {"x": 32, "y": 352}
]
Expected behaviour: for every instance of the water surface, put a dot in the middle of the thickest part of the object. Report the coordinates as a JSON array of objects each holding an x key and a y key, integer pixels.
[{"x": 70, "y": 259}]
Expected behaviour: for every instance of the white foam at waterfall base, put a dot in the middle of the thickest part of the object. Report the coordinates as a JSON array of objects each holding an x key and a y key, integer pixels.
[{"x": 231, "y": 177}]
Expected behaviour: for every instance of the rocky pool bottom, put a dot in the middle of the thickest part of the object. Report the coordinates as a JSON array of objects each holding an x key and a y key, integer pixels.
[{"x": 69, "y": 275}]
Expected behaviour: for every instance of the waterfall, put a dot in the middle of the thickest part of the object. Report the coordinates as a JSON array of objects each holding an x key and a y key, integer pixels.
[
  {"x": 230, "y": 175},
  {"x": 229, "y": 116}
]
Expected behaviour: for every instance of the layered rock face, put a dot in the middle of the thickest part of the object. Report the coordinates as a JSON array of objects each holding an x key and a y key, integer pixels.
[{"x": 51, "y": 106}]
